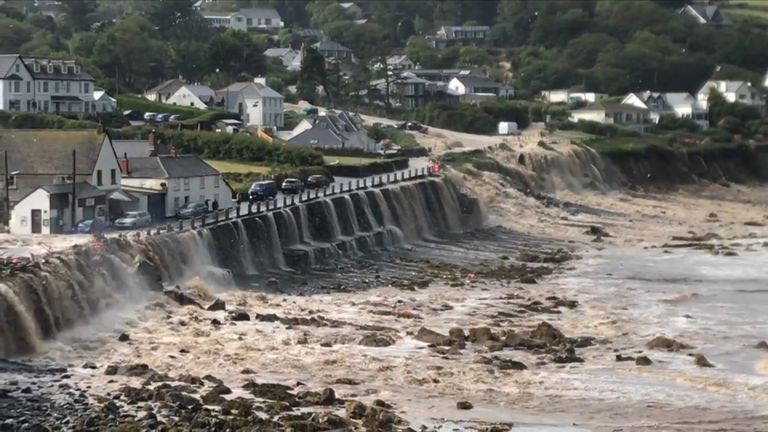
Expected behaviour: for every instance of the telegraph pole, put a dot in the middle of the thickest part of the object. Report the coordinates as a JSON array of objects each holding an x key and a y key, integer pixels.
[
  {"x": 74, "y": 188},
  {"x": 7, "y": 213}
]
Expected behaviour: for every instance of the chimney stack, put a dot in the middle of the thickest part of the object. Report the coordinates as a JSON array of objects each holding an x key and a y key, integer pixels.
[
  {"x": 260, "y": 80},
  {"x": 124, "y": 164}
]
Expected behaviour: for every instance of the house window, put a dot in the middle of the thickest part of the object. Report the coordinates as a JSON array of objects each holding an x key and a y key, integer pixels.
[
  {"x": 113, "y": 176},
  {"x": 176, "y": 185},
  {"x": 86, "y": 87},
  {"x": 45, "y": 106},
  {"x": 56, "y": 86},
  {"x": 202, "y": 198},
  {"x": 11, "y": 182},
  {"x": 268, "y": 21},
  {"x": 18, "y": 68},
  {"x": 186, "y": 199},
  {"x": 29, "y": 103},
  {"x": 202, "y": 182},
  {"x": 99, "y": 180},
  {"x": 216, "y": 182},
  {"x": 68, "y": 87},
  {"x": 29, "y": 86},
  {"x": 216, "y": 197},
  {"x": 17, "y": 87},
  {"x": 186, "y": 183},
  {"x": 176, "y": 203},
  {"x": 50, "y": 68},
  {"x": 45, "y": 87},
  {"x": 14, "y": 105}
]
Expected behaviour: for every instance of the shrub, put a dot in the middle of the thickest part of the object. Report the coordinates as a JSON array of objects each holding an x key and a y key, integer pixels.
[
  {"x": 730, "y": 124},
  {"x": 673, "y": 123},
  {"x": 719, "y": 135},
  {"x": 10, "y": 120}
]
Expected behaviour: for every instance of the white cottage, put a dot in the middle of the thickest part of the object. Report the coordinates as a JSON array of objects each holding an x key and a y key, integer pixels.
[
  {"x": 193, "y": 95},
  {"x": 255, "y": 102}
]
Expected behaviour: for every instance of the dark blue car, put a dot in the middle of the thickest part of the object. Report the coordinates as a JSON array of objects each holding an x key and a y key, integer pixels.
[{"x": 91, "y": 226}]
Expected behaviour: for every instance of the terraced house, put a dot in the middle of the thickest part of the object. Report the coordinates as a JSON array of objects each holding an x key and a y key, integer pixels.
[{"x": 33, "y": 84}]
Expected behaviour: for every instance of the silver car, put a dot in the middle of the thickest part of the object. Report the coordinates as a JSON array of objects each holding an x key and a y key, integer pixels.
[{"x": 131, "y": 220}]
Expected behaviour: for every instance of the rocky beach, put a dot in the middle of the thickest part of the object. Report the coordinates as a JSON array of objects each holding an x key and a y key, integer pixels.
[{"x": 630, "y": 310}]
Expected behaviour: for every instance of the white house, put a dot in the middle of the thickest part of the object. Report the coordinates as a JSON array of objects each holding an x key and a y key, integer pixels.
[
  {"x": 733, "y": 91},
  {"x": 258, "y": 104},
  {"x": 680, "y": 105},
  {"x": 164, "y": 90},
  {"x": 571, "y": 96},
  {"x": 333, "y": 130},
  {"x": 473, "y": 85},
  {"x": 290, "y": 57},
  {"x": 103, "y": 102},
  {"x": 265, "y": 19},
  {"x": 164, "y": 183},
  {"x": 30, "y": 84},
  {"x": 352, "y": 9},
  {"x": 193, "y": 95},
  {"x": 628, "y": 116},
  {"x": 40, "y": 188}
]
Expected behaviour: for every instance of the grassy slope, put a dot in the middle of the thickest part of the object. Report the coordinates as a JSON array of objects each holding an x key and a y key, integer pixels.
[
  {"x": 349, "y": 160},
  {"x": 238, "y": 167}
]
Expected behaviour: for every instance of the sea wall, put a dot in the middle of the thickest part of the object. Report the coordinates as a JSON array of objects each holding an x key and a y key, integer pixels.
[{"x": 40, "y": 302}]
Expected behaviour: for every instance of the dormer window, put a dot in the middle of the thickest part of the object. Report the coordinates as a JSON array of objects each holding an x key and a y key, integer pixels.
[
  {"x": 36, "y": 67},
  {"x": 64, "y": 69},
  {"x": 77, "y": 70},
  {"x": 50, "y": 68}
]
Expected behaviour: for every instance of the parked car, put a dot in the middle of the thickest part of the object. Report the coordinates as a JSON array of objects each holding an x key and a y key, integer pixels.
[
  {"x": 174, "y": 118},
  {"x": 192, "y": 209},
  {"x": 413, "y": 126},
  {"x": 149, "y": 116},
  {"x": 133, "y": 220},
  {"x": 262, "y": 191},
  {"x": 318, "y": 181},
  {"x": 292, "y": 186},
  {"x": 162, "y": 118},
  {"x": 91, "y": 226}
]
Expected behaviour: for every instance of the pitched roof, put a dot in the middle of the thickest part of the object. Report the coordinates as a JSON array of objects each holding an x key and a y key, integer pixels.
[
  {"x": 167, "y": 166},
  {"x": 171, "y": 85},
  {"x": 261, "y": 89},
  {"x": 82, "y": 189},
  {"x": 708, "y": 13},
  {"x": 50, "y": 151},
  {"x": 476, "y": 81},
  {"x": 329, "y": 45},
  {"x": 133, "y": 148},
  {"x": 6, "y": 62},
  {"x": 261, "y": 13},
  {"x": 449, "y": 32},
  {"x": 278, "y": 52},
  {"x": 201, "y": 91},
  {"x": 610, "y": 107},
  {"x": 58, "y": 71}
]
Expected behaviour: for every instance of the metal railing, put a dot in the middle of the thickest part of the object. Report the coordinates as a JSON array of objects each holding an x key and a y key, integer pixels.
[{"x": 253, "y": 209}]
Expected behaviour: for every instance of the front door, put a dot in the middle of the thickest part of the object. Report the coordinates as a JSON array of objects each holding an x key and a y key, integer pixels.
[{"x": 37, "y": 221}]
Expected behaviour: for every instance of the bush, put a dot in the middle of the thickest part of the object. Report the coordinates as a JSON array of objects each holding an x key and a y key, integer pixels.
[
  {"x": 480, "y": 119},
  {"x": 730, "y": 124},
  {"x": 673, "y": 123},
  {"x": 10, "y": 120},
  {"x": 719, "y": 135}
]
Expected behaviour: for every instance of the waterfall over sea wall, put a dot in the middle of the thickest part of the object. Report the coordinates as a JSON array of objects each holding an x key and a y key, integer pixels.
[{"x": 40, "y": 302}]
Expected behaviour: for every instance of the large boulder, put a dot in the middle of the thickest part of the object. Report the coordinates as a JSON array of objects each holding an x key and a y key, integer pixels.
[
  {"x": 239, "y": 315},
  {"x": 665, "y": 343},
  {"x": 217, "y": 305},
  {"x": 376, "y": 340},
  {"x": 182, "y": 298},
  {"x": 547, "y": 333},
  {"x": 432, "y": 337},
  {"x": 480, "y": 335},
  {"x": 701, "y": 361}
]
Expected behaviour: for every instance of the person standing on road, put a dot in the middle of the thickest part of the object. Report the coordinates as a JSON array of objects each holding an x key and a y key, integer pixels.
[
  {"x": 208, "y": 205},
  {"x": 215, "y": 205}
]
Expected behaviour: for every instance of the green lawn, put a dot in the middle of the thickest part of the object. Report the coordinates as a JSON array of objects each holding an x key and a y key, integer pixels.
[
  {"x": 572, "y": 135},
  {"x": 238, "y": 167},
  {"x": 624, "y": 143},
  {"x": 348, "y": 160}
]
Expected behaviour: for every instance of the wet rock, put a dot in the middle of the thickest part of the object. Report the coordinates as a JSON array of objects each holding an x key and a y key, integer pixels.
[
  {"x": 598, "y": 231},
  {"x": 89, "y": 365},
  {"x": 270, "y": 317},
  {"x": 243, "y": 406},
  {"x": 481, "y": 335},
  {"x": 213, "y": 397},
  {"x": 456, "y": 334},
  {"x": 277, "y": 407},
  {"x": 327, "y": 397},
  {"x": 248, "y": 371},
  {"x": 376, "y": 340},
  {"x": 698, "y": 238},
  {"x": 217, "y": 305},
  {"x": 381, "y": 404},
  {"x": 215, "y": 322},
  {"x": 763, "y": 345},
  {"x": 273, "y": 392},
  {"x": 507, "y": 364},
  {"x": 182, "y": 298},
  {"x": 643, "y": 361},
  {"x": 623, "y": 358},
  {"x": 190, "y": 379},
  {"x": 665, "y": 343},
  {"x": 432, "y": 337},
  {"x": 239, "y": 315},
  {"x": 730, "y": 253},
  {"x": 701, "y": 361},
  {"x": 493, "y": 346},
  {"x": 212, "y": 379},
  {"x": 547, "y": 333},
  {"x": 754, "y": 224},
  {"x": 355, "y": 410},
  {"x": 567, "y": 355},
  {"x": 464, "y": 405},
  {"x": 111, "y": 370},
  {"x": 527, "y": 279},
  {"x": 124, "y": 337},
  {"x": 347, "y": 381}
]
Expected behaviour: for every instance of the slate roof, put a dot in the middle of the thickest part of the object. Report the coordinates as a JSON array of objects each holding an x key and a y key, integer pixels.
[
  {"x": 167, "y": 166},
  {"x": 477, "y": 81},
  {"x": 6, "y": 62},
  {"x": 708, "y": 13},
  {"x": 277, "y": 52},
  {"x": 58, "y": 66},
  {"x": 170, "y": 86},
  {"x": 133, "y": 148},
  {"x": 82, "y": 189},
  {"x": 50, "y": 151}
]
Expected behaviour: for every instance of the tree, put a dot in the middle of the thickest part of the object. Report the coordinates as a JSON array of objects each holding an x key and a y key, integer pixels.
[
  {"x": 472, "y": 56},
  {"x": 175, "y": 19},
  {"x": 311, "y": 75},
  {"x": 14, "y": 34},
  {"x": 78, "y": 14},
  {"x": 420, "y": 51},
  {"x": 234, "y": 52}
]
